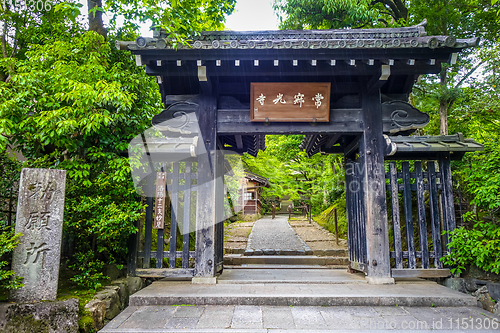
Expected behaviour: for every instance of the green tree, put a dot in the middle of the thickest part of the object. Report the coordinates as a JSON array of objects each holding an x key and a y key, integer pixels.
[
  {"x": 75, "y": 105},
  {"x": 291, "y": 173},
  {"x": 337, "y": 14}
]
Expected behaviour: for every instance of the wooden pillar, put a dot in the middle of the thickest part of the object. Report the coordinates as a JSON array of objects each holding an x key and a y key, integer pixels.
[
  {"x": 371, "y": 157},
  {"x": 206, "y": 215}
]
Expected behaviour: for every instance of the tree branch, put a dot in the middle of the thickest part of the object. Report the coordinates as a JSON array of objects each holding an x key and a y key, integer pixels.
[
  {"x": 402, "y": 9},
  {"x": 4, "y": 40},
  {"x": 468, "y": 74},
  {"x": 388, "y": 3}
]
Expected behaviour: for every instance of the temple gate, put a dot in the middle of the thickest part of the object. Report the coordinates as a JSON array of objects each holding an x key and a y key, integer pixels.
[{"x": 347, "y": 92}]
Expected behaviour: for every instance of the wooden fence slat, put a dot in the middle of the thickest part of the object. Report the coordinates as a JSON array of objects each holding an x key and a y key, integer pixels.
[
  {"x": 422, "y": 223},
  {"x": 133, "y": 244},
  {"x": 396, "y": 219},
  {"x": 174, "y": 197},
  {"x": 448, "y": 194},
  {"x": 434, "y": 209},
  {"x": 187, "y": 216},
  {"x": 148, "y": 228},
  {"x": 408, "y": 216}
]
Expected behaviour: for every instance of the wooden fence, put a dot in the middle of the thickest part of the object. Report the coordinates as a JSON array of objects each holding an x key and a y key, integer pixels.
[
  {"x": 169, "y": 258},
  {"x": 422, "y": 207}
]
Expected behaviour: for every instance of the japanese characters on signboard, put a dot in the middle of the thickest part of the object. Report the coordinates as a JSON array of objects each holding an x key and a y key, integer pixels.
[
  {"x": 161, "y": 182},
  {"x": 289, "y": 102}
]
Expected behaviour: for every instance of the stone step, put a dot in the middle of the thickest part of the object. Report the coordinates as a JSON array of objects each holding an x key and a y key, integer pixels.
[
  {"x": 283, "y": 267},
  {"x": 319, "y": 253},
  {"x": 238, "y": 260},
  {"x": 353, "y": 293}
]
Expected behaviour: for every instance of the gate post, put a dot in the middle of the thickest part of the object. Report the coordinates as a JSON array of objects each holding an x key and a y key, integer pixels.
[
  {"x": 206, "y": 212},
  {"x": 372, "y": 151}
]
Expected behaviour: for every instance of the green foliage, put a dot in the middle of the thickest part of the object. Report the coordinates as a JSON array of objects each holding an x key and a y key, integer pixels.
[
  {"x": 180, "y": 18},
  {"x": 329, "y": 14},
  {"x": 74, "y": 105},
  {"x": 327, "y": 218},
  {"x": 9, "y": 171},
  {"x": 292, "y": 174},
  {"x": 479, "y": 246},
  {"x": 89, "y": 270},
  {"x": 8, "y": 241}
]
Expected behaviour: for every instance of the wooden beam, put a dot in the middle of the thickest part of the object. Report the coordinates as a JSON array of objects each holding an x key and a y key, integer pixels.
[
  {"x": 303, "y": 69},
  {"x": 206, "y": 196},
  {"x": 352, "y": 146},
  {"x": 332, "y": 140},
  {"x": 165, "y": 273},
  {"x": 237, "y": 122},
  {"x": 372, "y": 180},
  {"x": 239, "y": 141},
  {"x": 420, "y": 273}
]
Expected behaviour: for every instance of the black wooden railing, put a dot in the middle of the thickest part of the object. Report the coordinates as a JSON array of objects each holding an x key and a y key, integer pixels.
[
  {"x": 169, "y": 257},
  {"x": 422, "y": 207}
]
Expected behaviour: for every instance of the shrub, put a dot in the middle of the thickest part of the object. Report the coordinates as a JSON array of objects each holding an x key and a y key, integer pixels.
[
  {"x": 8, "y": 241},
  {"x": 479, "y": 246}
]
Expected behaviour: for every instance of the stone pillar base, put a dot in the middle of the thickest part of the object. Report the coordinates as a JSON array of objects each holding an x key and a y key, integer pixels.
[
  {"x": 379, "y": 280},
  {"x": 204, "y": 280}
]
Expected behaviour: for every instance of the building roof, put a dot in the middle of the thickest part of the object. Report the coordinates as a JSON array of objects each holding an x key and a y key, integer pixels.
[
  {"x": 257, "y": 178},
  {"x": 224, "y": 64},
  {"x": 406, "y": 37}
]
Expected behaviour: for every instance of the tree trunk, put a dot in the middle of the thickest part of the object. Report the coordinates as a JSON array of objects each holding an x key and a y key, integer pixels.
[
  {"x": 95, "y": 19},
  {"x": 443, "y": 104}
]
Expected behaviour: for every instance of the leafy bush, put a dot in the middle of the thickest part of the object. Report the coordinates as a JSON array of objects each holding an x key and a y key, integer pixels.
[
  {"x": 8, "y": 241},
  {"x": 75, "y": 105},
  {"x": 479, "y": 246}
]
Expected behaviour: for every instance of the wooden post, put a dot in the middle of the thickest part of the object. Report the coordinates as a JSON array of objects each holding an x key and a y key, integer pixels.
[
  {"x": 336, "y": 226},
  {"x": 373, "y": 192},
  {"x": 206, "y": 189}
]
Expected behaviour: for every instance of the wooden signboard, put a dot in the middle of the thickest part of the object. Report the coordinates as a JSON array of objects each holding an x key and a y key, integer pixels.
[
  {"x": 161, "y": 182},
  {"x": 290, "y": 102}
]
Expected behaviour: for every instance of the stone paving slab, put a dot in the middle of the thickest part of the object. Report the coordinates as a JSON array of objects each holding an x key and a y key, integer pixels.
[
  {"x": 304, "y": 275},
  {"x": 257, "y": 319}
]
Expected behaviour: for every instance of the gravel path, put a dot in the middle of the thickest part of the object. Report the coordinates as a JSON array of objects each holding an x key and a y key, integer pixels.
[{"x": 274, "y": 235}]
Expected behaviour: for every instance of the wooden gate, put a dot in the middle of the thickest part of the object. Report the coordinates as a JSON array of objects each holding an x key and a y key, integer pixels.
[
  {"x": 168, "y": 252},
  {"x": 421, "y": 205}
]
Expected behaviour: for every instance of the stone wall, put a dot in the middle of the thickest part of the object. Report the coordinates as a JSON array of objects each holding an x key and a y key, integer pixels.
[
  {"x": 109, "y": 302},
  {"x": 487, "y": 293},
  {"x": 40, "y": 317}
]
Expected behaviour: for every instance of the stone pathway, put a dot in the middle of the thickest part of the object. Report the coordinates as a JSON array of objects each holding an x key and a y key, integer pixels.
[
  {"x": 311, "y": 319},
  {"x": 275, "y": 236}
]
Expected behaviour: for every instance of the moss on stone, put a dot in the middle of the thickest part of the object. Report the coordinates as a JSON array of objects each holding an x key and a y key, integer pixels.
[
  {"x": 86, "y": 323},
  {"x": 26, "y": 324}
]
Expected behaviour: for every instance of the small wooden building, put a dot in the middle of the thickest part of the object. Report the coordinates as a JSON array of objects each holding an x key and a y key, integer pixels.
[
  {"x": 347, "y": 91},
  {"x": 250, "y": 194}
]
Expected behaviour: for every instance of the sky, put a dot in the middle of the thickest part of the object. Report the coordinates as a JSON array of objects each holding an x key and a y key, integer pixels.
[
  {"x": 252, "y": 15},
  {"x": 248, "y": 15}
]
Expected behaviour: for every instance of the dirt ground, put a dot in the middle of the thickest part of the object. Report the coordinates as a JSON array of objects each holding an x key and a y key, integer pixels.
[
  {"x": 317, "y": 238},
  {"x": 236, "y": 237}
]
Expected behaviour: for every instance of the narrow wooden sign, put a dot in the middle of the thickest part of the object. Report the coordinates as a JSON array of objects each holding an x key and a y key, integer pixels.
[
  {"x": 290, "y": 102},
  {"x": 161, "y": 183}
]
